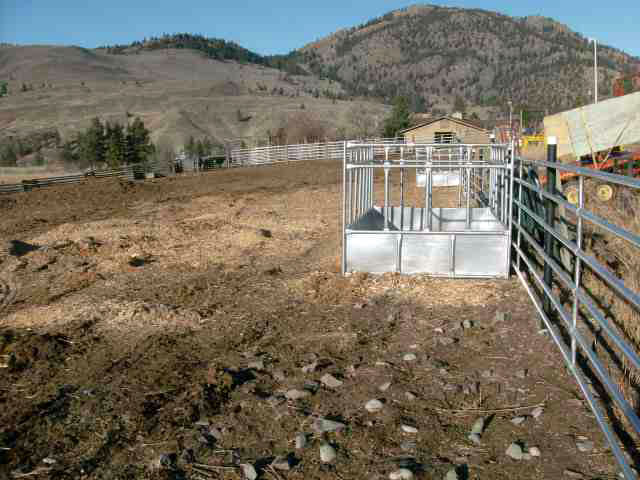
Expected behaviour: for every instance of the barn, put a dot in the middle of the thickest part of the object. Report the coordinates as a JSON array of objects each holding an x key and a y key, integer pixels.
[{"x": 446, "y": 130}]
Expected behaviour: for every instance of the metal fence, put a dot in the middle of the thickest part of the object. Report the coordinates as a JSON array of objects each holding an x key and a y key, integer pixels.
[
  {"x": 285, "y": 153},
  {"x": 131, "y": 172},
  {"x": 551, "y": 262},
  {"x": 418, "y": 236}
]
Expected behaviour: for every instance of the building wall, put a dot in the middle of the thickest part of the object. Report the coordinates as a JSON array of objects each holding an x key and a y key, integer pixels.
[{"x": 464, "y": 133}]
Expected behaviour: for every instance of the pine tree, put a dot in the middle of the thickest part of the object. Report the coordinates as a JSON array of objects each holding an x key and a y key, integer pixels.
[
  {"x": 9, "y": 157},
  {"x": 3, "y": 89},
  {"x": 399, "y": 119},
  {"x": 39, "y": 160}
]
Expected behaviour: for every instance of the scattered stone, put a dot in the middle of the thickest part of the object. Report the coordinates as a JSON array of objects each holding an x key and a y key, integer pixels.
[
  {"x": 311, "y": 386},
  {"x": 310, "y": 368},
  {"x": 487, "y": 373},
  {"x": 446, "y": 341},
  {"x": 164, "y": 461},
  {"x": 409, "y": 429},
  {"x": 439, "y": 363},
  {"x": 301, "y": 441},
  {"x": 323, "y": 425},
  {"x": 360, "y": 305},
  {"x": 327, "y": 453},
  {"x": 478, "y": 426},
  {"x": 502, "y": 317},
  {"x": 203, "y": 422},
  {"x": 518, "y": 420},
  {"x": 266, "y": 233},
  {"x": 351, "y": 371},
  {"x": 330, "y": 381},
  {"x": 414, "y": 346},
  {"x": 296, "y": 394},
  {"x": 408, "y": 446},
  {"x": 585, "y": 446},
  {"x": 380, "y": 363},
  {"x": 471, "y": 388},
  {"x": 279, "y": 375},
  {"x": 410, "y": 396},
  {"x": 401, "y": 474},
  {"x": 475, "y": 438},
  {"x": 257, "y": 365},
  {"x": 249, "y": 471},
  {"x": 438, "y": 330},
  {"x": 452, "y": 475},
  {"x": 215, "y": 433},
  {"x": 573, "y": 474},
  {"x": 410, "y": 357},
  {"x": 467, "y": 324},
  {"x": 536, "y": 412},
  {"x": 281, "y": 463},
  {"x": 515, "y": 451},
  {"x": 373, "y": 406},
  {"x": 534, "y": 452},
  {"x": 384, "y": 387},
  {"x": 521, "y": 373},
  {"x": 49, "y": 460}
]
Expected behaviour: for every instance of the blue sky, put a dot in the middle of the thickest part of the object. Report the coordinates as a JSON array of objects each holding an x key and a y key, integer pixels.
[{"x": 275, "y": 26}]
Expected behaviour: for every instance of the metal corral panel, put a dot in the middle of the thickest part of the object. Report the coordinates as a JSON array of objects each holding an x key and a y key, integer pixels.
[
  {"x": 373, "y": 253},
  {"x": 484, "y": 256},
  {"x": 430, "y": 254},
  {"x": 440, "y": 179},
  {"x": 596, "y": 127}
]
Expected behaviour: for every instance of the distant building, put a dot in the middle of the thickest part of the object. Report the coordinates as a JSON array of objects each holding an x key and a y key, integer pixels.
[{"x": 446, "y": 130}]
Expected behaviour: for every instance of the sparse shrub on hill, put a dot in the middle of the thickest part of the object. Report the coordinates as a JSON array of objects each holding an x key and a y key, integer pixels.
[{"x": 8, "y": 156}]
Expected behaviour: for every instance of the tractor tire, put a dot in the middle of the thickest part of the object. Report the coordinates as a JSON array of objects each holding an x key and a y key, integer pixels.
[
  {"x": 571, "y": 191},
  {"x": 605, "y": 192}
]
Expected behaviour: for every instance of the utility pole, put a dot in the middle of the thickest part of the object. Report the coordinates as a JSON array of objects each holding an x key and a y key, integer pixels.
[
  {"x": 595, "y": 68},
  {"x": 510, "y": 120}
]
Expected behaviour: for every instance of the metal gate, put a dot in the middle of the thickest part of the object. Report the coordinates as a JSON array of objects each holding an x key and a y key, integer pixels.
[
  {"x": 559, "y": 273},
  {"x": 384, "y": 231}
]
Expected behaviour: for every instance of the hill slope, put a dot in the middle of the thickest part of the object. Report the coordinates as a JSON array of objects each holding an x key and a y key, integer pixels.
[{"x": 434, "y": 54}]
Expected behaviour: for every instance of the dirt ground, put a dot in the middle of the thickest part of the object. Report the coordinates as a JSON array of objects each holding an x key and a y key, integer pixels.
[{"x": 152, "y": 330}]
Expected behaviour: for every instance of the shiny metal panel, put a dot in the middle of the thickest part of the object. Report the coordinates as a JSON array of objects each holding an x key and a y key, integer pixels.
[
  {"x": 481, "y": 255},
  {"x": 428, "y": 254},
  {"x": 373, "y": 253}
]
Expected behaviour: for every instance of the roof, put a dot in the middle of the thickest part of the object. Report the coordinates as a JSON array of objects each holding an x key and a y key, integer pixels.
[{"x": 451, "y": 119}]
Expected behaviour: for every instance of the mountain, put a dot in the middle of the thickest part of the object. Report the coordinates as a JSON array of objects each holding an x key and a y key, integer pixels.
[{"x": 434, "y": 54}]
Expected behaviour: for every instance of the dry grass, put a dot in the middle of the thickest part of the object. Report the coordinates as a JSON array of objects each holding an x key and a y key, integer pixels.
[{"x": 17, "y": 174}]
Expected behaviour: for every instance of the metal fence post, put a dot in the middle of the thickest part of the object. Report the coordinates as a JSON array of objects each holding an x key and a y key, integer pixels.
[{"x": 550, "y": 215}]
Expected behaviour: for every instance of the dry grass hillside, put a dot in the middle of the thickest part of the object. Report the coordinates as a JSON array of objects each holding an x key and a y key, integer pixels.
[{"x": 177, "y": 93}]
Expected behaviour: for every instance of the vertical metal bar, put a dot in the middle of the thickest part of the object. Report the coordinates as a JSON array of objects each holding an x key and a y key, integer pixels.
[
  {"x": 429, "y": 188},
  {"x": 550, "y": 216},
  {"x": 468, "y": 209},
  {"x": 386, "y": 189},
  {"x": 402, "y": 189},
  {"x": 510, "y": 211},
  {"x": 519, "y": 240},
  {"x": 578, "y": 268},
  {"x": 344, "y": 208},
  {"x": 452, "y": 257}
]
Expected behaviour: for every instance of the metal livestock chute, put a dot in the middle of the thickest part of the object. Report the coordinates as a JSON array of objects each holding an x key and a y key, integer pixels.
[{"x": 469, "y": 240}]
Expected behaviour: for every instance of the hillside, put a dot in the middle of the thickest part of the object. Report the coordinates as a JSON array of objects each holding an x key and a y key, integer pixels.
[
  {"x": 433, "y": 54},
  {"x": 177, "y": 92}
]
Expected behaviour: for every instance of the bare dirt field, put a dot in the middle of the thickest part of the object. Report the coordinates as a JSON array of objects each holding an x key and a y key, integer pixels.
[{"x": 181, "y": 327}]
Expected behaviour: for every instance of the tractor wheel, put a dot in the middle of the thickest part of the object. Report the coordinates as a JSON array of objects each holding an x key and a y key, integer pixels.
[
  {"x": 571, "y": 192},
  {"x": 604, "y": 192}
]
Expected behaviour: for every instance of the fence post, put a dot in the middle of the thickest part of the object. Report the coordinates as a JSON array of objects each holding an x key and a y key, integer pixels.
[{"x": 550, "y": 215}]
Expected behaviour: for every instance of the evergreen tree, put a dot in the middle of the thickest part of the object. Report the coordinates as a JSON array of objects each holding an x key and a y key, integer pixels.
[
  {"x": 138, "y": 141},
  {"x": 459, "y": 104},
  {"x": 3, "y": 89},
  {"x": 9, "y": 157},
  {"x": 399, "y": 119},
  {"x": 68, "y": 155},
  {"x": 39, "y": 160},
  {"x": 91, "y": 144}
]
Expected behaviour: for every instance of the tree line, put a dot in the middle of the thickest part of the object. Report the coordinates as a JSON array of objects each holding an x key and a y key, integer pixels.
[{"x": 108, "y": 143}]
